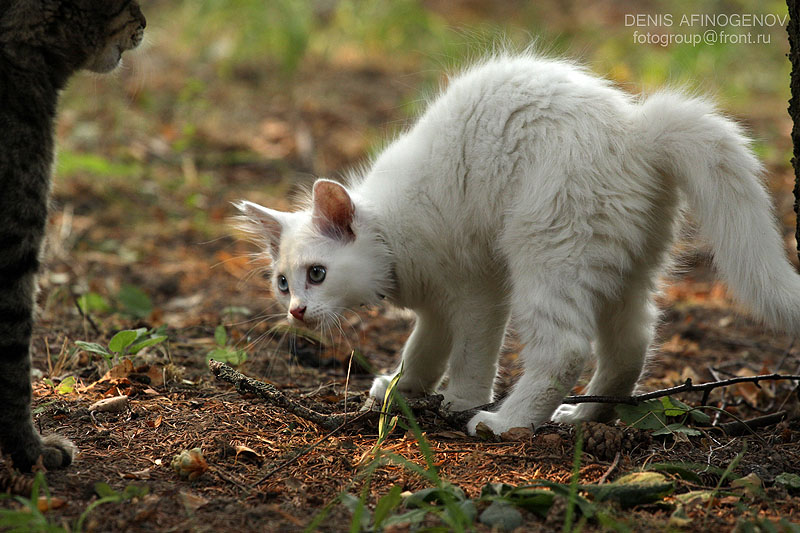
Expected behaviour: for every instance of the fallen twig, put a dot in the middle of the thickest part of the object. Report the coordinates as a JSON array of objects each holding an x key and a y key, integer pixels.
[
  {"x": 544, "y": 457},
  {"x": 275, "y": 397},
  {"x": 686, "y": 386},
  {"x": 746, "y": 427},
  {"x": 332, "y": 421},
  {"x": 85, "y": 316},
  {"x": 226, "y": 477},
  {"x": 368, "y": 417},
  {"x": 611, "y": 468}
]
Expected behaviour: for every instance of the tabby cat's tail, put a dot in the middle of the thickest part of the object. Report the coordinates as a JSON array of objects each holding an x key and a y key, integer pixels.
[{"x": 708, "y": 157}]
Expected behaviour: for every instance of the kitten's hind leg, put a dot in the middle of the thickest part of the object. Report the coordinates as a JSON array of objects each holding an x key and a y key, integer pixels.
[
  {"x": 624, "y": 334},
  {"x": 555, "y": 321},
  {"x": 424, "y": 359}
]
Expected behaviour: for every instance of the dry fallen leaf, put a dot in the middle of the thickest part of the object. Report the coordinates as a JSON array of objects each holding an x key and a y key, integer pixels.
[
  {"x": 247, "y": 453},
  {"x": 678, "y": 345},
  {"x": 191, "y": 502},
  {"x": 45, "y": 504},
  {"x": 121, "y": 370},
  {"x": 751, "y": 391},
  {"x": 141, "y": 474},
  {"x": 156, "y": 375},
  {"x": 116, "y": 376},
  {"x": 238, "y": 266},
  {"x": 689, "y": 372},
  {"x": 484, "y": 431},
  {"x": 750, "y": 484}
]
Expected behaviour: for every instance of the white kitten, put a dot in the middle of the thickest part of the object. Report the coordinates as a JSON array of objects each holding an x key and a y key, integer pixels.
[{"x": 532, "y": 189}]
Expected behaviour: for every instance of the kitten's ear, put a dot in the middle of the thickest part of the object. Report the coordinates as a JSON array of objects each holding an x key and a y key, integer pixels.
[
  {"x": 333, "y": 210},
  {"x": 266, "y": 224}
]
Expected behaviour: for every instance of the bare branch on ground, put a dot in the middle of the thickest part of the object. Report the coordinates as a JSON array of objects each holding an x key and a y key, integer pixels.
[{"x": 367, "y": 418}]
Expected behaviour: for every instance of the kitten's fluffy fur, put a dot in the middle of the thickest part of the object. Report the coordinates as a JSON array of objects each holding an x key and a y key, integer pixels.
[{"x": 534, "y": 190}]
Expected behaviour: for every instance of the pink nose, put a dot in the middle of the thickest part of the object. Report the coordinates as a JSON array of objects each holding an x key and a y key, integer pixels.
[{"x": 298, "y": 312}]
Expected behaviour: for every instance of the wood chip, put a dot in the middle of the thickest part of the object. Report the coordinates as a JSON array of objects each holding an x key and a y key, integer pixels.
[{"x": 117, "y": 404}]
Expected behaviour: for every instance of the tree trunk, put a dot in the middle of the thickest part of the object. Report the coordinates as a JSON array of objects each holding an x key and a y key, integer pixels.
[{"x": 793, "y": 29}]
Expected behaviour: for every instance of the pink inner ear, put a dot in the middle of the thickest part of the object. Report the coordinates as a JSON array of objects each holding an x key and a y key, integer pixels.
[{"x": 333, "y": 210}]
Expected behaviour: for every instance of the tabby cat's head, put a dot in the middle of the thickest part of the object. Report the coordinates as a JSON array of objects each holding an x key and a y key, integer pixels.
[
  {"x": 326, "y": 259},
  {"x": 67, "y": 35}
]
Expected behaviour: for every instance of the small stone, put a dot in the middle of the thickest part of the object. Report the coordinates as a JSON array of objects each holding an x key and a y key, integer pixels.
[
  {"x": 551, "y": 440},
  {"x": 516, "y": 434}
]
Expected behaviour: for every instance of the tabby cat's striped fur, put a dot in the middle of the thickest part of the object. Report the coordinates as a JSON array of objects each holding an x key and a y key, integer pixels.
[{"x": 42, "y": 43}]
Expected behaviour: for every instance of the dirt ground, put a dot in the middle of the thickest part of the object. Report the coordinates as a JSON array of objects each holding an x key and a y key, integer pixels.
[
  {"x": 242, "y": 439},
  {"x": 153, "y": 214}
]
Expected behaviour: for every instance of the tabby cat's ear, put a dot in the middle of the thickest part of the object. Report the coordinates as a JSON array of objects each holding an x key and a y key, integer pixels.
[
  {"x": 266, "y": 224},
  {"x": 332, "y": 210}
]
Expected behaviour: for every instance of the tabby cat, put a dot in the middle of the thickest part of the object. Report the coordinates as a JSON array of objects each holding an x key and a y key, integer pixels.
[{"x": 42, "y": 43}]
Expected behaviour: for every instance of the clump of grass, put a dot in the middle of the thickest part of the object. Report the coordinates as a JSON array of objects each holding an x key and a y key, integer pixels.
[
  {"x": 224, "y": 351},
  {"x": 448, "y": 503},
  {"x": 125, "y": 343}
]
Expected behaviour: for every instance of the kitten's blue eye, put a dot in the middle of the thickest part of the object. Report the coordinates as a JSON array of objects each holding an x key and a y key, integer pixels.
[
  {"x": 283, "y": 284},
  {"x": 316, "y": 274}
]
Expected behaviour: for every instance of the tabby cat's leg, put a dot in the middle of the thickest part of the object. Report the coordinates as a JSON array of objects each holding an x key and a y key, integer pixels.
[
  {"x": 18, "y": 437},
  {"x": 424, "y": 358}
]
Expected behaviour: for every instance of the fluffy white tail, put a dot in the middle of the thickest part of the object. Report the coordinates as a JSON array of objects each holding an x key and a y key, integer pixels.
[{"x": 709, "y": 158}]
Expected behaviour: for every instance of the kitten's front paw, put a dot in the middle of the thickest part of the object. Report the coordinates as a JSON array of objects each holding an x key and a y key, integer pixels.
[
  {"x": 407, "y": 388},
  {"x": 457, "y": 403},
  {"x": 566, "y": 414},
  {"x": 379, "y": 386},
  {"x": 495, "y": 421},
  {"x": 570, "y": 414}
]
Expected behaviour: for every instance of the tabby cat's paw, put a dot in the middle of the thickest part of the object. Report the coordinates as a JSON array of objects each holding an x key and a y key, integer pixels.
[
  {"x": 54, "y": 450},
  {"x": 57, "y": 452}
]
